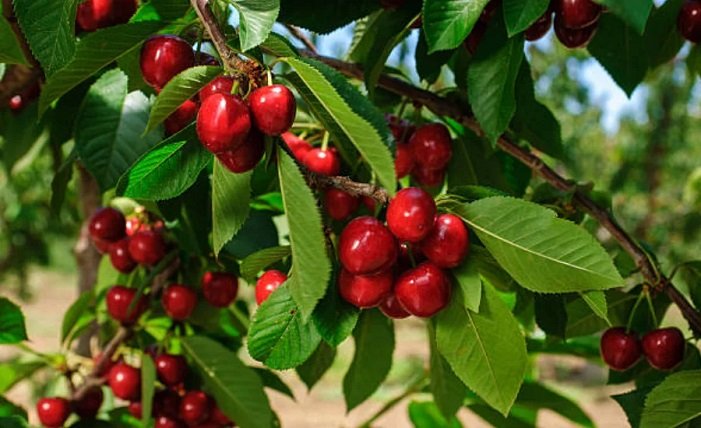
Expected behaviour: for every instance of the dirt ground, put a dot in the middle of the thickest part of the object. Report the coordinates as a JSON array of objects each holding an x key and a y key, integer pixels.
[{"x": 324, "y": 406}]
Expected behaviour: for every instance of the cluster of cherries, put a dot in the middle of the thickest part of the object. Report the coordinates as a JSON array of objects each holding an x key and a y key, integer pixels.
[{"x": 663, "y": 348}]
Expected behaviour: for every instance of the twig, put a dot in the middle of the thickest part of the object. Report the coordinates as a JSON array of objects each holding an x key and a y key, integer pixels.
[
  {"x": 230, "y": 58},
  {"x": 299, "y": 35},
  {"x": 413, "y": 388}
]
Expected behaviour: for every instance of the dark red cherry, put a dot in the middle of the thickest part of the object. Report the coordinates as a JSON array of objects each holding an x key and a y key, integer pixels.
[
  {"x": 620, "y": 350},
  {"x": 299, "y": 146},
  {"x": 664, "y": 348},
  {"x": 179, "y": 301},
  {"x": 167, "y": 403},
  {"x": 125, "y": 381},
  {"x": 324, "y": 162},
  {"x": 171, "y": 369},
  {"x": 573, "y": 39},
  {"x": 428, "y": 177},
  {"x": 365, "y": 291},
  {"x": 53, "y": 411},
  {"x": 220, "y": 85},
  {"x": 147, "y": 247},
  {"x": 424, "y": 290},
  {"x": 95, "y": 14},
  {"x": 401, "y": 129},
  {"x": 403, "y": 161},
  {"x": 390, "y": 306},
  {"x": 273, "y": 109},
  {"x": 180, "y": 118},
  {"x": 475, "y": 37},
  {"x": 135, "y": 409},
  {"x": 689, "y": 21},
  {"x": 431, "y": 146},
  {"x": 489, "y": 10},
  {"x": 220, "y": 288},
  {"x": 410, "y": 214},
  {"x": 163, "y": 57},
  {"x": 245, "y": 157},
  {"x": 223, "y": 122},
  {"x": 195, "y": 407},
  {"x": 89, "y": 405},
  {"x": 577, "y": 14},
  {"x": 168, "y": 422},
  {"x": 203, "y": 58},
  {"x": 339, "y": 204},
  {"x": 369, "y": 203},
  {"x": 540, "y": 27},
  {"x": 392, "y": 4},
  {"x": 447, "y": 243},
  {"x": 366, "y": 246},
  {"x": 107, "y": 224},
  {"x": 16, "y": 103},
  {"x": 218, "y": 417},
  {"x": 119, "y": 304},
  {"x": 120, "y": 257},
  {"x": 267, "y": 283}
]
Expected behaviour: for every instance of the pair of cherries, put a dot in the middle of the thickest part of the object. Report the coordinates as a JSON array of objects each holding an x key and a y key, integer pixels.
[
  {"x": 54, "y": 411},
  {"x": 663, "y": 348},
  {"x": 423, "y": 152}
]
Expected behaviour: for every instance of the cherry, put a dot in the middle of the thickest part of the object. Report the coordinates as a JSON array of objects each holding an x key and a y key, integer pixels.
[
  {"x": 16, "y": 103},
  {"x": 369, "y": 203},
  {"x": 95, "y": 14},
  {"x": 218, "y": 417},
  {"x": 489, "y": 10},
  {"x": 179, "y": 301},
  {"x": 390, "y": 306},
  {"x": 540, "y": 27},
  {"x": 664, "y": 348},
  {"x": 120, "y": 258},
  {"x": 410, "y": 214},
  {"x": 431, "y": 146},
  {"x": 403, "y": 161},
  {"x": 273, "y": 109},
  {"x": 167, "y": 403},
  {"x": 147, "y": 247},
  {"x": 219, "y": 288},
  {"x": 119, "y": 304},
  {"x": 88, "y": 406},
  {"x": 299, "y": 147},
  {"x": 447, "y": 243},
  {"x": 125, "y": 381},
  {"x": 620, "y": 350},
  {"x": 163, "y": 57},
  {"x": 195, "y": 407},
  {"x": 167, "y": 422},
  {"x": 53, "y": 411},
  {"x": 365, "y": 291},
  {"x": 267, "y": 283},
  {"x": 577, "y": 14},
  {"x": 245, "y": 157},
  {"x": 366, "y": 246},
  {"x": 107, "y": 224},
  {"x": 574, "y": 38},
  {"x": 424, "y": 290},
  {"x": 475, "y": 37},
  {"x": 171, "y": 369},
  {"x": 180, "y": 118},
  {"x": 135, "y": 409},
  {"x": 324, "y": 162},
  {"x": 223, "y": 122},
  {"x": 339, "y": 204},
  {"x": 428, "y": 177},
  {"x": 203, "y": 58},
  {"x": 689, "y": 21},
  {"x": 220, "y": 85},
  {"x": 401, "y": 129}
]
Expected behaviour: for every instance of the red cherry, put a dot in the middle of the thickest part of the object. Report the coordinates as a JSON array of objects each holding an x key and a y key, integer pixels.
[
  {"x": 181, "y": 117},
  {"x": 135, "y": 409},
  {"x": 273, "y": 109},
  {"x": 447, "y": 243},
  {"x": 410, "y": 214},
  {"x": 431, "y": 146},
  {"x": 179, "y": 301},
  {"x": 540, "y": 27},
  {"x": 369, "y": 203},
  {"x": 147, "y": 247},
  {"x": 107, "y": 224},
  {"x": 125, "y": 381},
  {"x": 167, "y": 422},
  {"x": 218, "y": 417},
  {"x": 171, "y": 369},
  {"x": 16, "y": 103},
  {"x": 203, "y": 58},
  {"x": 366, "y": 246},
  {"x": 365, "y": 291},
  {"x": 299, "y": 147},
  {"x": 577, "y": 14},
  {"x": 428, "y": 177},
  {"x": 119, "y": 304},
  {"x": 88, "y": 406},
  {"x": 95, "y": 14},
  {"x": 220, "y": 288},
  {"x": 163, "y": 57},
  {"x": 401, "y": 129},
  {"x": 620, "y": 350},
  {"x": 223, "y": 122},
  {"x": 664, "y": 348},
  {"x": 403, "y": 161},
  {"x": 339, "y": 204},
  {"x": 689, "y": 21},
  {"x": 391, "y": 307},
  {"x": 53, "y": 411},
  {"x": 120, "y": 258},
  {"x": 220, "y": 85},
  {"x": 475, "y": 37},
  {"x": 324, "y": 162},
  {"x": 267, "y": 283},
  {"x": 574, "y": 38},
  {"x": 102, "y": 246},
  {"x": 195, "y": 407},
  {"x": 167, "y": 403},
  {"x": 245, "y": 157},
  {"x": 424, "y": 290}
]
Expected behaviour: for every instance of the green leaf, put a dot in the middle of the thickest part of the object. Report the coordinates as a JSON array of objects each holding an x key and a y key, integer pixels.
[
  {"x": 12, "y": 372},
  {"x": 311, "y": 269},
  {"x": 673, "y": 402},
  {"x": 491, "y": 80},
  {"x": 109, "y": 128},
  {"x": 314, "y": 368},
  {"x": 75, "y": 312},
  {"x": 520, "y": 14},
  {"x": 447, "y": 23},
  {"x": 633, "y": 12},
  {"x": 278, "y": 45},
  {"x": 551, "y": 314},
  {"x": 633, "y": 403},
  {"x": 448, "y": 391},
  {"x": 237, "y": 389},
  {"x": 148, "y": 381},
  {"x": 260, "y": 260},
  {"x": 257, "y": 18},
  {"x": 10, "y": 49},
  {"x": 10, "y": 409},
  {"x": 467, "y": 276},
  {"x": 273, "y": 381},
  {"x": 167, "y": 170},
  {"x": 519, "y": 418},
  {"x": 278, "y": 337},
  {"x": 231, "y": 194},
  {"x": 12, "y": 329},
  {"x": 328, "y": 14},
  {"x": 536, "y": 396},
  {"x": 597, "y": 303},
  {"x": 178, "y": 90},
  {"x": 540, "y": 251},
  {"x": 474, "y": 344},
  {"x": 13, "y": 422},
  {"x": 429, "y": 66},
  {"x": 344, "y": 112},
  {"x": 335, "y": 318},
  {"x": 94, "y": 52},
  {"x": 374, "y": 344},
  {"x": 49, "y": 26},
  {"x": 427, "y": 415},
  {"x": 662, "y": 43}
]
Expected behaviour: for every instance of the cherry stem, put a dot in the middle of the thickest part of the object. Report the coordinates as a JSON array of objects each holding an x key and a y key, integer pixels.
[
  {"x": 632, "y": 312},
  {"x": 235, "y": 87},
  {"x": 270, "y": 77},
  {"x": 650, "y": 306},
  {"x": 414, "y": 387},
  {"x": 325, "y": 141}
]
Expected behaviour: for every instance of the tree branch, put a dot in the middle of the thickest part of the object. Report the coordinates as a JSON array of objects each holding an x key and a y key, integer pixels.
[{"x": 299, "y": 35}]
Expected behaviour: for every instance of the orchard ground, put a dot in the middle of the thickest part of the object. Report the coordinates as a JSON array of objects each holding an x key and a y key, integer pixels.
[{"x": 53, "y": 291}]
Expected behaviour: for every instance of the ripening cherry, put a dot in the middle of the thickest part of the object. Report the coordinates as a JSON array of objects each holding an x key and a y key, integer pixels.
[
  {"x": 390, "y": 306},
  {"x": 171, "y": 369},
  {"x": 365, "y": 291},
  {"x": 577, "y": 14},
  {"x": 298, "y": 146},
  {"x": 403, "y": 161},
  {"x": 574, "y": 38},
  {"x": 411, "y": 214},
  {"x": 147, "y": 247},
  {"x": 366, "y": 246},
  {"x": 339, "y": 204},
  {"x": 53, "y": 411},
  {"x": 179, "y": 301},
  {"x": 125, "y": 381},
  {"x": 180, "y": 118},
  {"x": 267, "y": 283},
  {"x": 96, "y": 14},
  {"x": 220, "y": 288},
  {"x": 223, "y": 122},
  {"x": 89, "y": 405},
  {"x": 689, "y": 21},
  {"x": 273, "y": 109},
  {"x": 620, "y": 349},
  {"x": 424, "y": 290},
  {"x": 120, "y": 307},
  {"x": 107, "y": 224},
  {"x": 163, "y": 57},
  {"x": 664, "y": 348},
  {"x": 120, "y": 257},
  {"x": 245, "y": 157},
  {"x": 447, "y": 243},
  {"x": 540, "y": 27},
  {"x": 195, "y": 407},
  {"x": 431, "y": 146},
  {"x": 220, "y": 85},
  {"x": 324, "y": 162}
]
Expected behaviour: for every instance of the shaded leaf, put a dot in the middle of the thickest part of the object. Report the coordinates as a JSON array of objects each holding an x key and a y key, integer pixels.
[
  {"x": 447, "y": 23},
  {"x": 633, "y": 12},
  {"x": 314, "y": 368},
  {"x": 427, "y": 415},
  {"x": 674, "y": 401},
  {"x": 520, "y": 14},
  {"x": 328, "y": 14},
  {"x": 75, "y": 312},
  {"x": 12, "y": 328},
  {"x": 335, "y": 318},
  {"x": 10, "y": 50},
  {"x": 231, "y": 194},
  {"x": 257, "y": 18},
  {"x": 148, "y": 381},
  {"x": 260, "y": 260},
  {"x": 447, "y": 389}
]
